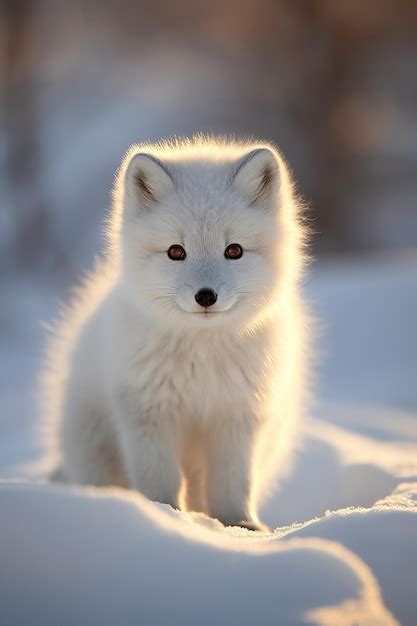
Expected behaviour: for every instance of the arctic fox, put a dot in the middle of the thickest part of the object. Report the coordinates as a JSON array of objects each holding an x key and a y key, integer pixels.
[{"x": 179, "y": 368}]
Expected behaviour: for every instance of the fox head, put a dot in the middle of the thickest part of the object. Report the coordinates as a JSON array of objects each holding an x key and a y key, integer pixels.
[{"x": 206, "y": 233}]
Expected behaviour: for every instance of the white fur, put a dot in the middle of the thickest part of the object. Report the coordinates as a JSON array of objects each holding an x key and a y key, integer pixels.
[{"x": 142, "y": 388}]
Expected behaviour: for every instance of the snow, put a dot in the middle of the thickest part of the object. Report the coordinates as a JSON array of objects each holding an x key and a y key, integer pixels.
[{"x": 343, "y": 550}]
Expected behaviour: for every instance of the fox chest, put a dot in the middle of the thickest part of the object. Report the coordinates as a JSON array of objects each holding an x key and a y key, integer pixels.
[{"x": 198, "y": 386}]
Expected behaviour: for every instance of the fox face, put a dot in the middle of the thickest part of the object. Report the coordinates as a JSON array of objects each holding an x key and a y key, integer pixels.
[{"x": 201, "y": 240}]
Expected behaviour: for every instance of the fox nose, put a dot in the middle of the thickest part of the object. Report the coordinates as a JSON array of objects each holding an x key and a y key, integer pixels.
[{"x": 206, "y": 297}]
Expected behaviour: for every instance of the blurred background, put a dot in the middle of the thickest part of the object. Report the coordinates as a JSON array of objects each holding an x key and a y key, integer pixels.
[{"x": 332, "y": 82}]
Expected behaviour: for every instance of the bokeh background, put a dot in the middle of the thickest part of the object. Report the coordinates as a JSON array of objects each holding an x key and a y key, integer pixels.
[{"x": 332, "y": 82}]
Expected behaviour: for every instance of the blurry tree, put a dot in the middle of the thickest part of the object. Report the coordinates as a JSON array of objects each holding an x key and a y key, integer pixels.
[{"x": 28, "y": 234}]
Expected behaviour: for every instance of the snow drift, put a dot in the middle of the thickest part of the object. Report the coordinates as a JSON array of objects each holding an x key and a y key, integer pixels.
[{"x": 344, "y": 548}]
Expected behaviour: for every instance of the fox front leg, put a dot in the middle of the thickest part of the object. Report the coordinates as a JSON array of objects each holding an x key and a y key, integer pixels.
[
  {"x": 230, "y": 480},
  {"x": 150, "y": 454}
]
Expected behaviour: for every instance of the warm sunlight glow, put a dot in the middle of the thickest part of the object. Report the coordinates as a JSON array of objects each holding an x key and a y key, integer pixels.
[{"x": 144, "y": 388}]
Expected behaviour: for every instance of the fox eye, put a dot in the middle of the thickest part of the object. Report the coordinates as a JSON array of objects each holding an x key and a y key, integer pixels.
[
  {"x": 176, "y": 253},
  {"x": 233, "y": 251}
]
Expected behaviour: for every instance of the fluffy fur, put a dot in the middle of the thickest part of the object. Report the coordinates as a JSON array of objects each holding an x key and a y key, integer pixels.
[{"x": 144, "y": 387}]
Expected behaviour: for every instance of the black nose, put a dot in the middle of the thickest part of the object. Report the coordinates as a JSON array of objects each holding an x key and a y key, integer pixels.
[{"x": 206, "y": 297}]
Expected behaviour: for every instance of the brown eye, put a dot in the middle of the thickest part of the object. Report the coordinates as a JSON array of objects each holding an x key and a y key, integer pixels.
[
  {"x": 176, "y": 253},
  {"x": 234, "y": 251}
]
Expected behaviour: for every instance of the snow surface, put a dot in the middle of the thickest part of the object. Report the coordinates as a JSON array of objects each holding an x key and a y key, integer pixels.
[{"x": 344, "y": 548}]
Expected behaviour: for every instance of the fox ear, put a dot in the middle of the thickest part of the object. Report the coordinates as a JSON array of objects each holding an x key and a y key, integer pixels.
[
  {"x": 257, "y": 177},
  {"x": 147, "y": 181}
]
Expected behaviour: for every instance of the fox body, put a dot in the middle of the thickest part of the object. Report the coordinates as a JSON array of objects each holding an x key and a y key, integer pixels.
[{"x": 179, "y": 368}]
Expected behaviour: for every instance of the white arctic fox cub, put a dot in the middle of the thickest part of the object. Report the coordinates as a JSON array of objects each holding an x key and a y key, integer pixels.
[{"x": 178, "y": 370}]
